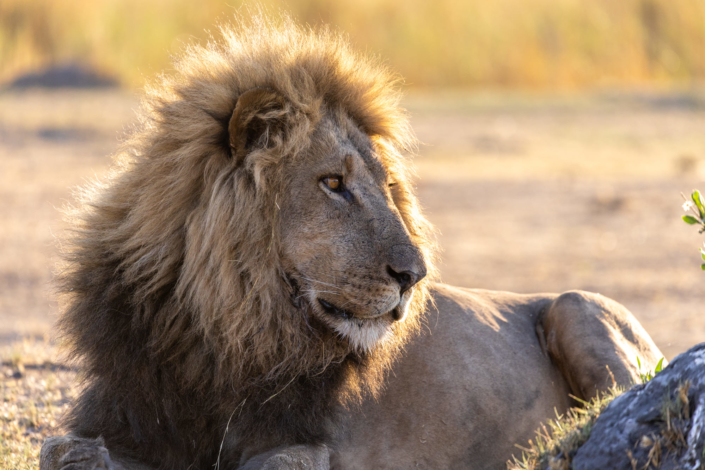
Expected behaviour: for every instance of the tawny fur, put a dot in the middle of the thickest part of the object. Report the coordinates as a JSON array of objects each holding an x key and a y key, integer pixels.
[{"x": 176, "y": 300}]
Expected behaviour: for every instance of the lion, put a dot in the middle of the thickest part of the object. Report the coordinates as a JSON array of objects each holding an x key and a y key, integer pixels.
[{"x": 253, "y": 286}]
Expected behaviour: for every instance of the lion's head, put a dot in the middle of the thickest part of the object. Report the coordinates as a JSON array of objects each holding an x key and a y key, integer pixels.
[{"x": 261, "y": 214}]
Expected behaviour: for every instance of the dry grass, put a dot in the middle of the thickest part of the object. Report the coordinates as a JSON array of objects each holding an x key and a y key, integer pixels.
[
  {"x": 675, "y": 417},
  {"x": 544, "y": 44},
  {"x": 34, "y": 391},
  {"x": 557, "y": 442}
]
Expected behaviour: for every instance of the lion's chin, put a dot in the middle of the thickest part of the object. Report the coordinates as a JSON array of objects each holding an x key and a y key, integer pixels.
[{"x": 365, "y": 334}]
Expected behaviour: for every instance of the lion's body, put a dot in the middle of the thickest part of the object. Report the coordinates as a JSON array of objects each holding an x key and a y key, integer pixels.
[
  {"x": 469, "y": 388},
  {"x": 477, "y": 381},
  {"x": 256, "y": 264}
]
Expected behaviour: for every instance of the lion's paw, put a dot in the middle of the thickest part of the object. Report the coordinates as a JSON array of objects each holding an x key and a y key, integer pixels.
[
  {"x": 298, "y": 457},
  {"x": 75, "y": 453}
]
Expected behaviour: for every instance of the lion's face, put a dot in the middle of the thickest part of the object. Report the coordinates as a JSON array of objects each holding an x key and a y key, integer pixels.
[{"x": 345, "y": 247}]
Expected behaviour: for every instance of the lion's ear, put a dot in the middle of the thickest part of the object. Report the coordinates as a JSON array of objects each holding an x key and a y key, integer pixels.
[{"x": 256, "y": 121}]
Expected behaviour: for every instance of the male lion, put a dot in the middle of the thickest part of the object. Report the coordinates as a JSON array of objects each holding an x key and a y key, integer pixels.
[{"x": 240, "y": 286}]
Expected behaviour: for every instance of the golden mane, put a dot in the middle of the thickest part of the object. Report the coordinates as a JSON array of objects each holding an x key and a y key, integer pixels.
[{"x": 190, "y": 247}]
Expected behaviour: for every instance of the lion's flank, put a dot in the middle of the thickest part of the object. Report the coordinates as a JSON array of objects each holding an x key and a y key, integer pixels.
[{"x": 176, "y": 300}]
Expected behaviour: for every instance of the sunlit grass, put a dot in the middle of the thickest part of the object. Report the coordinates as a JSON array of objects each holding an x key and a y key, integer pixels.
[
  {"x": 34, "y": 392},
  {"x": 544, "y": 44},
  {"x": 555, "y": 444}
]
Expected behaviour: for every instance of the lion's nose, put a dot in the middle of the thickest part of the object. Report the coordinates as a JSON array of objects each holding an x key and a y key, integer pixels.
[
  {"x": 406, "y": 279},
  {"x": 406, "y": 266}
]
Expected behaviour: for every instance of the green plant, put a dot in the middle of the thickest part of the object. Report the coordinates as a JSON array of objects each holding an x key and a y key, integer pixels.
[
  {"x": 697, "y": 209},
  {"x": 648, "y": 375}
]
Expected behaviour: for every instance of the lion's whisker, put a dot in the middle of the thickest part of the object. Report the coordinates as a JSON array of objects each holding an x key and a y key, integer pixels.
[
  {"x": 320, "y": 282},
  {"x": 320, "y": 291}
]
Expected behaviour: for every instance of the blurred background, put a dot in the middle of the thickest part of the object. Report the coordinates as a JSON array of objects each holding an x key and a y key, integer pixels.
[
  {"x": 527, "y": 44},
  {"x": 558, "y": 135}
]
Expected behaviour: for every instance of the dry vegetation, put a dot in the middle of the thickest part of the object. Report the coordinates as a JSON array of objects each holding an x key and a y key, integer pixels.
[
  {"x": 34, "y": 392},
  {"x": 557, "y": 441},
  {"x": 544, "y": 44}
]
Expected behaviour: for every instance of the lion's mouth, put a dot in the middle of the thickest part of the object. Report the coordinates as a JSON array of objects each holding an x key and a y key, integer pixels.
[
  {"x": 397, "y": 313},
  {"x": 334, "y": 311}
]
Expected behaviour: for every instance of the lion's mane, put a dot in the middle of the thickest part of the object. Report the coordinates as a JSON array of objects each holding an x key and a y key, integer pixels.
[{"x": 175, "y": 300}]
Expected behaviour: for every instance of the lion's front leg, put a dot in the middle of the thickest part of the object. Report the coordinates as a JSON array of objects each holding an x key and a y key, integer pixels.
[
  {"x": 298, "y": 457},
  {"x": 70, "y": 452}
]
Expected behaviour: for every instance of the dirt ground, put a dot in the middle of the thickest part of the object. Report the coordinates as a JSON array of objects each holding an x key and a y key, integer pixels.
[{"x": 528, "y": 195}]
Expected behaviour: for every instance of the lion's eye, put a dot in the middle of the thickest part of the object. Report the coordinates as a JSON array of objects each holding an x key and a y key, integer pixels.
[{"x": 334, "y": 183}]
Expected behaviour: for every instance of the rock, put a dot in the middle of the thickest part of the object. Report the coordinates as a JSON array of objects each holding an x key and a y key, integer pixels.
[
  {"x": 70, "y": 75},
  {"x": 657, "y": 425}
]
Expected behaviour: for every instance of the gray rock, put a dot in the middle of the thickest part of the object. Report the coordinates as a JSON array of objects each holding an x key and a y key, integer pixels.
[
  {"x": 657, "y": 425},
  {"x": 68, "y": 75}
]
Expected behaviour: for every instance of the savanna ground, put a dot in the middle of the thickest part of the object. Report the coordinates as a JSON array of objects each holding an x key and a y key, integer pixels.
[{"x": 528, "y": 194}]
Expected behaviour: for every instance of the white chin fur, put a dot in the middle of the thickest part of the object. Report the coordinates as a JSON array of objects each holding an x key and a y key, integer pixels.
[{"x": 364, "y": 335}]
